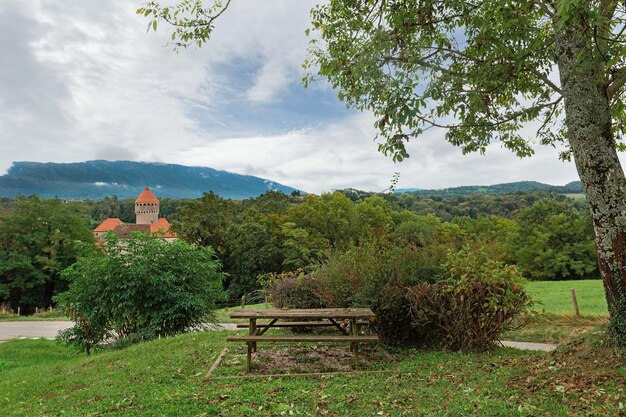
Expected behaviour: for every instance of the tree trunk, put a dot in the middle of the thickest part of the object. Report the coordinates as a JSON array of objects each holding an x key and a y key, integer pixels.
[{"x": 588, "y": 121}]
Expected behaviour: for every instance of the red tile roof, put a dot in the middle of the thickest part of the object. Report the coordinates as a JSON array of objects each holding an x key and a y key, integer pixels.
[
  {"x": 124, "y": 230},
  {"x": 108, "y": 224},
  {"x": 161, "y": 228},
  {"x": 146, "y": 196}
]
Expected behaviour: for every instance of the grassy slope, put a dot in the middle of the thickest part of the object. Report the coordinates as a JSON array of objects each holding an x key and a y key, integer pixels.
[
  {"x": 555, "y": 297},
  {"x": 223, "y": 315},
  {"x": 167, "y": 377}
]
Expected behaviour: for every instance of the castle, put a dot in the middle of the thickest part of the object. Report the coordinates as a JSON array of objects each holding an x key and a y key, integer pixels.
[{"x": 147, "y": 220}]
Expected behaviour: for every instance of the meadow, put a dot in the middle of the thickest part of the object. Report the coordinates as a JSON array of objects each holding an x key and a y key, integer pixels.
[
  {"x": 555, "y": 297},
  {"x": 169, "y": 377}
]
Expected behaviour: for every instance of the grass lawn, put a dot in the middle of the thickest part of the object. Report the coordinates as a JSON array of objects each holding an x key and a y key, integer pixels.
[
  {"x": 553, "y": 328},
  {"x": 577, "y": 196},
  {"x": 54, "y": 315},
  {"x": 223, "y": 315},
  {"x": 554, "y": 296},
  {"x": 167, "y": 377}
]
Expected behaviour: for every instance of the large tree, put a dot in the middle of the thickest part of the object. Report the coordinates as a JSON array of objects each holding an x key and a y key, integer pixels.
[
  {"x": 36, "y": 243},
  {"x": 483, "y": 70}
]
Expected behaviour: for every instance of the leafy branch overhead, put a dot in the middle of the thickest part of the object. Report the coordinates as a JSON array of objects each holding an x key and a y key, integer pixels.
[
  {"x": 192, "y": 21},
  {"x": 481, "y": 70}
]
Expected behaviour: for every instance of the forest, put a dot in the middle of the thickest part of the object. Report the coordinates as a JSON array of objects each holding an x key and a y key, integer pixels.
[{"x": 546, "y": 236}]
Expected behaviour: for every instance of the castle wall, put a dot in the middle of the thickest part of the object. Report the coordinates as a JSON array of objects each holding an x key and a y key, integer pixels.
[{"x": 146, "y": 213}]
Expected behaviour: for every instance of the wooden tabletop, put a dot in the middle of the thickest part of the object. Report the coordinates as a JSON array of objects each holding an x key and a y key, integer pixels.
[{"x": 313, "y": 313}]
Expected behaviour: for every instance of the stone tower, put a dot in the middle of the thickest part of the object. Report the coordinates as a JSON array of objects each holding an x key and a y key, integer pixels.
[{"x": 146, "y": 208}]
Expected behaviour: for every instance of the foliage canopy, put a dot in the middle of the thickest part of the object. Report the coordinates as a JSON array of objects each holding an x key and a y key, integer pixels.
[{"x": 139, "y": 288}]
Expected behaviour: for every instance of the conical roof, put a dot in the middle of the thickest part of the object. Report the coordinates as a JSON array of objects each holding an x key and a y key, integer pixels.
[{"x": 146, "y": 196}]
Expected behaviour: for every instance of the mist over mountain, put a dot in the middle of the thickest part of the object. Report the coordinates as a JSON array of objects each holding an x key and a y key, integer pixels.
[{"x": 126, "y": 179}]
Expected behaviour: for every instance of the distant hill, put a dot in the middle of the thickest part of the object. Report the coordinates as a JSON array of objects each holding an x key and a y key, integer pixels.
[
  {"x": 125, "y": 179},
  {"x": 574, "y": 187}
]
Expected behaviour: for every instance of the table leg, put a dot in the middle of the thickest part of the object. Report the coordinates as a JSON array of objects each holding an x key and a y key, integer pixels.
[
  {"x": 251, "y": 345},
  {"x": 249, "y": 357},
  {"x": 354, "y": 345},
  {"x": 253, "y": 332}
]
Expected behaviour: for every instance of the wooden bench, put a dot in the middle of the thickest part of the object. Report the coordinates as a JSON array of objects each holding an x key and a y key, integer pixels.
[
  {"x": 356, "y": 317},
  {"x": 296, "y": 324},
  {"x": 316, "y": 338}
]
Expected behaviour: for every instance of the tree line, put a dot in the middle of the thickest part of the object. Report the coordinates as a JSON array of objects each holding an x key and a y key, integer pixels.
[{"x": 549, "y": 237}]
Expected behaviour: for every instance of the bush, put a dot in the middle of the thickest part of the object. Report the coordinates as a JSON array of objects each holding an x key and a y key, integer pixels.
[
  {"x": 473, "y": 308},
  {"x": 294, "y": 290},
  {"x": 376, "y": 274},
  {"x": 137, "y": 289}
]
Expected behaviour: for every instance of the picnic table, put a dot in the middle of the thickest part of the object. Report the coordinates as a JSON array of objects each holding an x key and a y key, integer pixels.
[{"x": 298, "y": 318}]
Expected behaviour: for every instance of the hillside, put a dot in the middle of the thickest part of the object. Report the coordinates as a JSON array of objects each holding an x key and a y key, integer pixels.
[
  {"x": 574, "y": 187},
  {"x": 98, "y": 179}
]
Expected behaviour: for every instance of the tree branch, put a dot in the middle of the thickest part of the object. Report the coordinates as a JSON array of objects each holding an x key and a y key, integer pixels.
[
  {"x": 495, "y": 123},
  {"x": 616, "y": 84}
]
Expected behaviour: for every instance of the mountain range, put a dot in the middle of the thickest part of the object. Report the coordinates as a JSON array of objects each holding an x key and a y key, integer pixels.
[
  {"x": 574, "y": 187},
  {"x": 125, "y": 179}
]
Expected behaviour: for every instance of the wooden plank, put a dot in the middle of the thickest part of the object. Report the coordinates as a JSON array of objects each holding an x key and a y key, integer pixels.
[
  {"x": 312, "y": 374},
  {"x": 316, "y": 338},
  {"x": 217, "y": 362},
  {"x": 296, "y": 324},
  {"x": 341, "y": 329},
  {"x": 290, "y": 324},
  {"x": 316, "y": 313},
  {"x": 266, "y": 327}
]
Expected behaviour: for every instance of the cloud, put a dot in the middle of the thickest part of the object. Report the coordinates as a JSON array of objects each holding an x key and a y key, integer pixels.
[
  {"x": 83, "y": 80},
  {"x": 343, "y": 154}
]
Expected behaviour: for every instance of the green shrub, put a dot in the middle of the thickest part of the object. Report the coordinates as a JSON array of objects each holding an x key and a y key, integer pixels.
[
  {"x": 471, "y": 309},
  {"x": 137, "y": 289},
  {"x": 376, "y": 274}
]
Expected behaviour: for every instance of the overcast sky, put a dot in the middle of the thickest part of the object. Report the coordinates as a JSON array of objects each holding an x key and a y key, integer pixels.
[{"x": 81, "y": 80}]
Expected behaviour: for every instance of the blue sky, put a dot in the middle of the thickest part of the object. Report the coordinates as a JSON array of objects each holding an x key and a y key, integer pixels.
[{"x": 82, "y": 79}]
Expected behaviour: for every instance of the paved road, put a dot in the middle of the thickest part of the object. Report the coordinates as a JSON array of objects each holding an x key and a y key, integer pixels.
[
  {"x": 49, "y": 329},
  {"x": 31, "y": 329},
  {"x": 544, "y": 347},
  {"x": 35, "y": 329}
]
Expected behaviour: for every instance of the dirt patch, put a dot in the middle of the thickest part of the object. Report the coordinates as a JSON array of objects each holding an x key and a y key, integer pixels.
[{"x": 290, "y": 359}]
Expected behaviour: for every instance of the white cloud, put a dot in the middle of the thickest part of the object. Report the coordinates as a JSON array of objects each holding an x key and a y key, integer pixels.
[{"x": 342, "y": 155}]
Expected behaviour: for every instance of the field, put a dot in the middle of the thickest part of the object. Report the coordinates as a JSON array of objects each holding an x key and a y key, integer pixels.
[
  {"x": 577, "y": 196},
  {"x": 168, "y": 377},
  {"x": 554, "y": 296}
]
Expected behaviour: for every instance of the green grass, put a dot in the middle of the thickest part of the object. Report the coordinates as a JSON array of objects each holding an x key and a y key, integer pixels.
[
  {"x": 553, "y": 328},
  {"x": 223, "y": 315},
  {"x": 555, "y": 297},
  {"x": 577, "y": 196},
  {"x": 54, "y": 315},
  {"x": 167, "y": 377}
]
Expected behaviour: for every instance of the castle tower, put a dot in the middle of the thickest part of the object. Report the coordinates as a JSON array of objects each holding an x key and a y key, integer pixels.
[{"x": 146, "y": 208}]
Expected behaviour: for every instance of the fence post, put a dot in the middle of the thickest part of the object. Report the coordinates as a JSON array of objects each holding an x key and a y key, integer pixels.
[
  {"x": 243, "y": 301},
  {"x": 18, "y": 311},
  {"x": 573, "y": 291}
]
